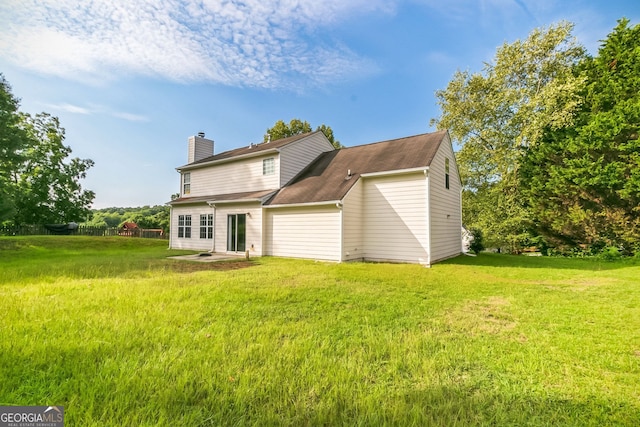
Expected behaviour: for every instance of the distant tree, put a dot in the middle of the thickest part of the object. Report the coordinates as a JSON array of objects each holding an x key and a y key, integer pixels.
[
  {"x": 144, "y": 217},
  {"x": 38, "y": 182},
  {"x": 582, "y": 183},
  {"x": 296, "y": 127},
  {"x": 497, "y": 115}
]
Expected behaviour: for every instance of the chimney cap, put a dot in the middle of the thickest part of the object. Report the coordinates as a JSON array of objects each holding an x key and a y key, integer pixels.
[{"x": 201, "y": 134}]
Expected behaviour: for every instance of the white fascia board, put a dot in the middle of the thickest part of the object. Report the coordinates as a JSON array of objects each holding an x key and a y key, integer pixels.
[
  {"x": 228, "y": 160},
  {"x": 229, "y": 202},
  {"x": 396, "y": 172},
  {"x": 338, "y": 203}
]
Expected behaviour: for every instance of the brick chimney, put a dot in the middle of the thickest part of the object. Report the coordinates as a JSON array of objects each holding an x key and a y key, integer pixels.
[{"x": 199, "y": 148}]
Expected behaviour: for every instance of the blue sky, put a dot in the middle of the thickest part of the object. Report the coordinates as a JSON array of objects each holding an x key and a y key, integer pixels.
[{"x": 131, "y": 81}]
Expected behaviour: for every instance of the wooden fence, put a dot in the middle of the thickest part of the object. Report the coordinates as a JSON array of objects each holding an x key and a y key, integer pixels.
[{"x": 40, "y": 230}]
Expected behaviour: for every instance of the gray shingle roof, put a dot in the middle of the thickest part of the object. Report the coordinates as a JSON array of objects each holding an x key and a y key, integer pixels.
[
  {"x": 326, "y": 178},
  {"x": 248, "y": 150}
]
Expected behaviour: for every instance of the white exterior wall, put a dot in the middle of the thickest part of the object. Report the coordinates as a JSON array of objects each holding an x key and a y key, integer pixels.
[
  {"x": 254, "y": 226},
  {"x": 352, "y": 224},
  {"x": 303, "y": 232},
  {"x": 253, "y": 231},
  {"x": 395, "y": 218},
  {"x": 194, "y": 242},
  {"x": 234, "y": 177},
  {"x": 445, "y": 209},
  {"x": 296, "y": 156}
]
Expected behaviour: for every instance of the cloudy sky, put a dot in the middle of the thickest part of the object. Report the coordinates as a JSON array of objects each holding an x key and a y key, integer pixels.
[{"x": 131, "y": 81}]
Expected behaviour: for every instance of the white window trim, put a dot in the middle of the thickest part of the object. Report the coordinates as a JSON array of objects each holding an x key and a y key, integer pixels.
[{"x": 268, "y": 166}]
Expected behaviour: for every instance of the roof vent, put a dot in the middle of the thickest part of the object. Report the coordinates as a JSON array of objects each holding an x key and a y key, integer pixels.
[
  {"x": 251, "y": 145},
  {"x": 268, "y": 138},
  {"x": 201, "y": 134},
  {"x": 348, "y": 174}
]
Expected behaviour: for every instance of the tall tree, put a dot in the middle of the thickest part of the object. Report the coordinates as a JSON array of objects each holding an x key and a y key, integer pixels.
[
  {"x": 39, "y": 183},
  {"x": 498, "y": 114},
  {"x": 296, "y": 127},
  {"x": 12, "y": 137},
  {"x": 583, "y": 182}
]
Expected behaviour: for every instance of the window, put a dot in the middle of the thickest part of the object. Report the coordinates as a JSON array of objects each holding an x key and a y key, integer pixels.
[
  {"x": 268, "y": 166},
  {"x": 446, "y": 173},
  {"x": 184, "y": 226},
  {"x": 186, "y": 183},
  {"x": 206, "y": 226}
]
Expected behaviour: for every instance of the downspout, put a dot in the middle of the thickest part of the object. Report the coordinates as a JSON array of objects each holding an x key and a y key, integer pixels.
[{"x": 213, "y": 209}]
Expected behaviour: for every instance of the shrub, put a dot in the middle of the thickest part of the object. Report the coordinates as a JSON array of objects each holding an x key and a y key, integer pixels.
[
  {"x": 477, "y": 244},
  {"x": 610, "y": 253}
]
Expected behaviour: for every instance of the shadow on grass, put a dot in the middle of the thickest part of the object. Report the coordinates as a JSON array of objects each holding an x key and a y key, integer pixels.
[
  {"x": 457, "y": 406},
  {"x": 522, "y": 261}
]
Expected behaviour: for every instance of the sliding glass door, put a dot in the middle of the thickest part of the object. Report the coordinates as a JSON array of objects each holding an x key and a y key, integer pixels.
[{"x": 236, "y": 232}]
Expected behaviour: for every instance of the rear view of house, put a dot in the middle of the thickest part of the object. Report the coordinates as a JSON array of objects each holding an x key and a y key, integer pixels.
[{"x": 396, "y": 200}]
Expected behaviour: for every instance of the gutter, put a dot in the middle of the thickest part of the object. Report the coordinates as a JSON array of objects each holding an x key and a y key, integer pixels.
[{"x": 338, "y": 203}]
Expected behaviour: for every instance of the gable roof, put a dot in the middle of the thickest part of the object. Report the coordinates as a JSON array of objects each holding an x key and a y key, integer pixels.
[
  {"x": 326, "y": 178},
  {"x": 249, "y": 151}
]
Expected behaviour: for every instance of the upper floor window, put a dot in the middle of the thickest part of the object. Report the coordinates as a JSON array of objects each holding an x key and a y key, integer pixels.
[
  {"x": 268, "y": 166},
  {"x": 446, "y": 173},
  {"x": 186, "y": 183}
]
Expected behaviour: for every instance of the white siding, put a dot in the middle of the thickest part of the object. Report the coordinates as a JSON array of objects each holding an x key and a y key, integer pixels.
[
  {"x": 303, "y": 232},
  {"x": 296, "y": 156},
  {"x": 194, "y": 242},
  {"x": 395, "y": 218},
  {"x": 253, "y": 232},
  {"x": 352, "y": 224},
  {"x": 444, "y": 204},
  {"x": 254, "y": 226},
  {"x": 233, "y": 177}
]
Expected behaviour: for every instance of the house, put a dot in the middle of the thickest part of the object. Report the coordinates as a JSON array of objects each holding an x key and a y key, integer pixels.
[
  {"x": 130, "y": 229},
  {"x": 396, "y": 200}
]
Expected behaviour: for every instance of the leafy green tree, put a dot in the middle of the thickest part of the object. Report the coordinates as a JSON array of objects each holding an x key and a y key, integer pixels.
[
  {"x": 296, "y": 127},
  {"x": 12, "y": 137},
  {"x": 38, "y": 183},
  {"x": 582, "y": 183},
  {"x": 48, "y": 183},
  {"x": 498, "y": 114}
]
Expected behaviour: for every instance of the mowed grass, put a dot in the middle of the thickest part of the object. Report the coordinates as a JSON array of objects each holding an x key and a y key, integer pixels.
[{"x": 119, "y": 335}]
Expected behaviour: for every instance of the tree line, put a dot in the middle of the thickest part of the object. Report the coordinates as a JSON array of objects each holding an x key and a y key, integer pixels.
[
  {"x": 548, "y": 135},
  {"x": 156, "y": 217}
]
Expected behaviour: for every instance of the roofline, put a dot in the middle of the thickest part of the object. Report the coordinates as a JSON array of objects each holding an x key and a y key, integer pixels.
[
  {"x": 424, "y": 169},
  {"x": 297, "y": 205},
  {"x": 295, "y": 139},
  {"x": 227, "y": 202},
  {"x": 227, "y": 160}
]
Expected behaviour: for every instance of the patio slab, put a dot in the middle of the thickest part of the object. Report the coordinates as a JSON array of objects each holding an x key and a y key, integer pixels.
[{"x": 208, "y": 257}]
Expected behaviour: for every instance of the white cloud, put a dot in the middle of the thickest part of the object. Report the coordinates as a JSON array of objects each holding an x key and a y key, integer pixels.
[
  {"x": 95, "y": 109},
  {"x": 253, "y": 43},
  {"x": 70, "y": 108}
]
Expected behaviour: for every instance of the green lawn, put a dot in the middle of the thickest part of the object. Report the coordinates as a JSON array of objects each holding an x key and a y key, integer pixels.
[{"x": 119, "y": 335}]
